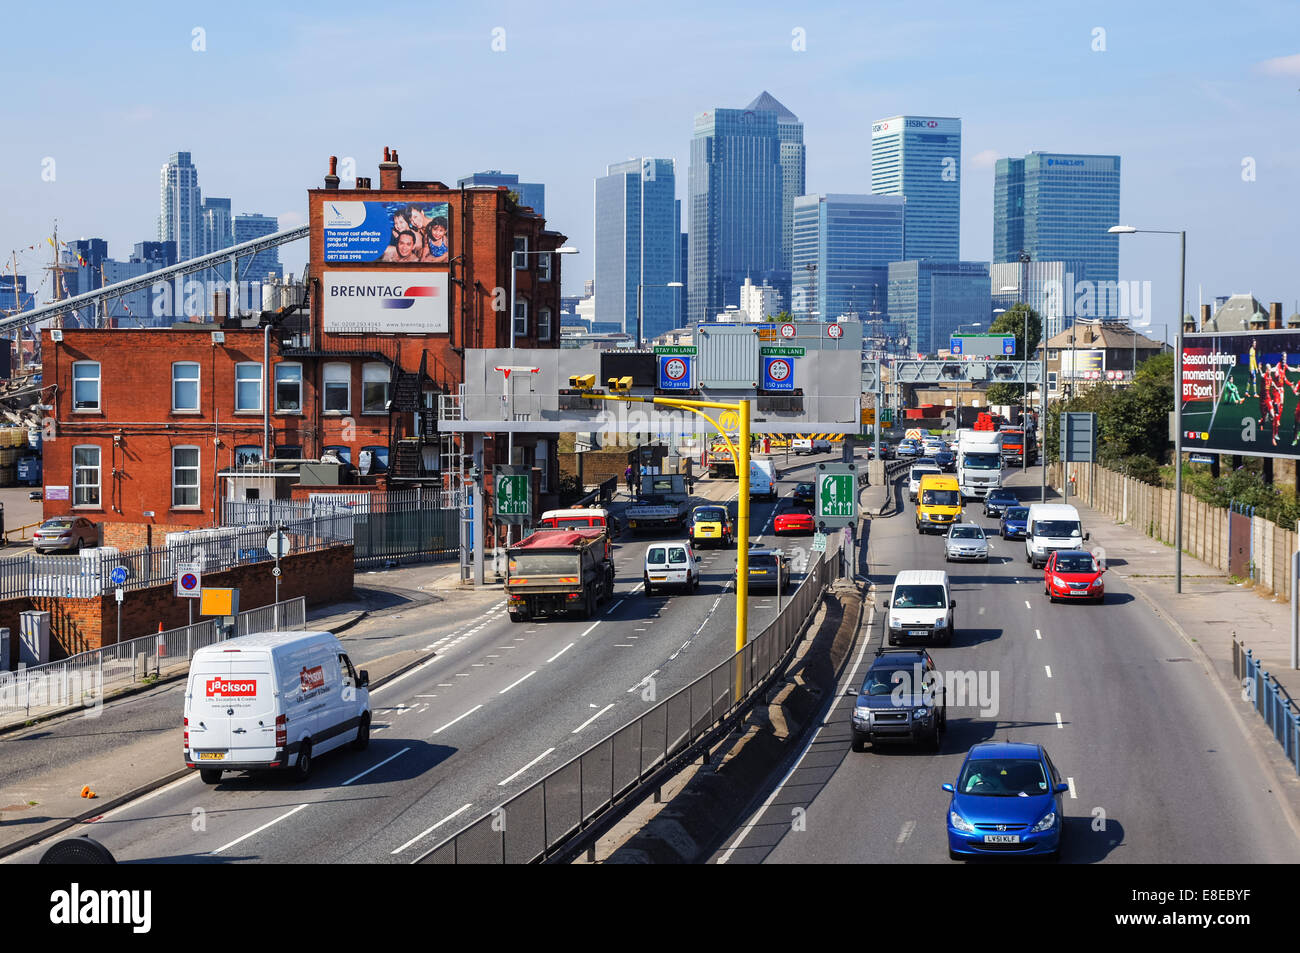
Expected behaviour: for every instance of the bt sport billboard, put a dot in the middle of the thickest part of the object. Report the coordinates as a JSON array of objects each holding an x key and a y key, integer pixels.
[
  {"x": 1241, "y": 393},
  {"x": 400, "y": 232}
]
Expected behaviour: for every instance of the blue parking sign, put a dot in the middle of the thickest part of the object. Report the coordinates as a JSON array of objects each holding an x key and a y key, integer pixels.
[{"x": 674, "y": 372}]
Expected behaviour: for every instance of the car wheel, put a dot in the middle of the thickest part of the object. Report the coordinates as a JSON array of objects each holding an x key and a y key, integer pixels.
[
  {"x": 302, "y": 768},
  {"x": 363, "y": 734},
  {"x": 210, "y": 775},
  {"x": 695, "y": 586},
  {"x": 893, "y": 640},
  {"x": 649, "y": 589},
  {"x": 859, "y": 744}
]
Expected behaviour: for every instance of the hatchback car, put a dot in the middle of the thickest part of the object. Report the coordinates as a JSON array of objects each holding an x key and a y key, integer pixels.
[
  {"x": 966, "y": 541},
  {"x": 768, "y": 570},
  {"x": 1073, "y": 574},
  {"x": 998, "y": 500},
  {"x": 803, "y": 493},
  {"x": 946, "y": 459},
  {"x": 909, "y": 448},
  {"x": 671, "y": 565},
  {"x": 1007, "y": 800},
  {"x": 712, "y": 525},
  {"x": 67, "y": 534},
  {"x": 1013, "y": 522},
  {"x": 794, "y": 520},
  {"x": 881, "y": 451}
]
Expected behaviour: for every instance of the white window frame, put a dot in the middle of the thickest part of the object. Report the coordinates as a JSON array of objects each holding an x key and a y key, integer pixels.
[
  {"x": 520, "y": 254},
  {"x": 387, "y": 378},
  {"x": 99, "y": 477},
  {"x": 543, "y": 266},
  {"x": 1051, "y": 381},
  {"x": 197, "y": 485},
  {"x": 286, "y": 365},
  {"x": 261, "y": 387},
  {"x": 99, "y": 387},
  {"x": 543, "y": 324},
  {"x": 198, "y": 387},
  {"x": 326, "y": 383},
  {"x": 521, "y": 332}
]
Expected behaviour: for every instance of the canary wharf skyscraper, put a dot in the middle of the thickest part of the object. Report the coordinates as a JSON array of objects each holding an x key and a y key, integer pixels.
[{"x": 919, "y": 158}]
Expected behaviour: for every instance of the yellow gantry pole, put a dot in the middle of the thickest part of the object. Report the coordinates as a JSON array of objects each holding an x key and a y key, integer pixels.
[{"x": 741, "y": 455}]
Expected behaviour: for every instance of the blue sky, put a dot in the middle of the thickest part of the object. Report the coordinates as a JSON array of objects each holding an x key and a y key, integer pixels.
[{"x": 1185, "y": 93}]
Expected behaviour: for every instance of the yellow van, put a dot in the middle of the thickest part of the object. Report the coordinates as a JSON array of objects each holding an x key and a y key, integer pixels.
[{"x": 938, "y": 503}]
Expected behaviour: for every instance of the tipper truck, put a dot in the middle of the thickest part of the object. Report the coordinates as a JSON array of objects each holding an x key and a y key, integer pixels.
[{"x": 556, "y": 571}]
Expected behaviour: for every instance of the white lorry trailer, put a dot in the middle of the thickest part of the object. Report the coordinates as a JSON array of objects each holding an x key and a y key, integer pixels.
[{"x": 979, "y": 462}]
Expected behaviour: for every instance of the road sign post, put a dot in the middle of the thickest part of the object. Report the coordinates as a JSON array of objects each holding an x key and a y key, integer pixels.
[{"x": 277, "y": 544}]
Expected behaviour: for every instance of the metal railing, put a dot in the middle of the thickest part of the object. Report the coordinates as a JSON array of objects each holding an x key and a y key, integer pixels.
[
  {"x": 1272, "y": 702},
  {"x": 84, "y": 679},
  {"x": 536, "y": 823}
]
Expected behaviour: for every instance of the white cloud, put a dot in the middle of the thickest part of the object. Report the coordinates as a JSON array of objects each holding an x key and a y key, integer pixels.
[
  {"x": 984, "y": 160},
  {"x": 1281, "y": 65}
]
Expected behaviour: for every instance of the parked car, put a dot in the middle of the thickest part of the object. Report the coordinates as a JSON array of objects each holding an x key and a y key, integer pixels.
[
  {"x": 966, "y": 541},
  {"x": 894, "y": 705},
  {"x": 36, "y": 496},
  {"x": 768, "y": 570},
  {"x": 671, "y": 565},
  {"x": 797, "y": 519},
  {"x": 1007, "y": 800},
  {"x": 998, "y": 500},
  {"x": 1073, "y": 574},
  {"x": 1013, "y": 522},
  {"x": 68, "y": 534},
  {"x": 803, "y": 493}
]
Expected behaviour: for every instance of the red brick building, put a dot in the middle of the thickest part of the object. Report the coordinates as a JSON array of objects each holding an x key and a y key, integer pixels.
[{"x": 151, "y": 428}]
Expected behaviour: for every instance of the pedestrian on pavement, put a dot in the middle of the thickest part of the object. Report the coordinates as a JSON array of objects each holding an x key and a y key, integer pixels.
[{"x": 627, "y": 475}]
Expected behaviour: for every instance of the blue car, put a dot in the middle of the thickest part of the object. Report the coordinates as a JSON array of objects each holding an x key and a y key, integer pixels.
[
  {"x": 1007, "y": 801},
  {"x": 1014, "y": 522},
  {"x": 998, "y": 500},
  {"x": 909, "y": 448}
]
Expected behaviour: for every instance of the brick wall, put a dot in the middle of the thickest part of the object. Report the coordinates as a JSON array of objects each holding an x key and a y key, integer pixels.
[
  {"x": 597, "y": 465},
  {"x": 80, "y": 625}
]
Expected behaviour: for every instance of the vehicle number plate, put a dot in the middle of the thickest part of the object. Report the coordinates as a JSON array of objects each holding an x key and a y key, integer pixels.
[
  {"x": 1002, "y": 838},
  {"x": 916, "y": 632},
  {"x": 212, "y": 755},
  {"x": 658, "y": 578}
]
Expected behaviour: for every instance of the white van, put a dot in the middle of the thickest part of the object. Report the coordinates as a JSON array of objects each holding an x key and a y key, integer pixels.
[
  {"x": 1051, "y": 526},
  {"x": 671, "y": 565},
  {"x": 272, "y": 700},
  {"x": 921, "y": 607},
  {"x": 762, "y": 479},
  {"x": 803, "y": 445}
]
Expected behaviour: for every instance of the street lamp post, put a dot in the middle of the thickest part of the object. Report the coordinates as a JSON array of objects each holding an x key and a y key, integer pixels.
[
  {"x": 671, "y": 284},
  {"x": 1178, "y": 392}
]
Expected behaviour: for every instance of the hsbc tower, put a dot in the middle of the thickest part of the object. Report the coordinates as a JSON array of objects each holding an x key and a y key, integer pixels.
[{"x": 919, "y": 158}]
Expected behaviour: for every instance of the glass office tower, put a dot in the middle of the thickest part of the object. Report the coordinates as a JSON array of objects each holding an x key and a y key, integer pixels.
[
  {"x": 919, "y": 157},
  {"x": 932, "y": 299},
  {"x": 789, "y": 131},
  {"x": 735, "y": 200},
  {"x": 637, "y": 237},
  {"x": 843, "y": 245}
]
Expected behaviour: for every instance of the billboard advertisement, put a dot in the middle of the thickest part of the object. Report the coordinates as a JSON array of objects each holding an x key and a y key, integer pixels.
[
  {"x": 1083, "y": 364},
  {"x": 402, "y": 232},
  {"x": 1241, "y": 393},
  {"x": 384, "y": 302}
]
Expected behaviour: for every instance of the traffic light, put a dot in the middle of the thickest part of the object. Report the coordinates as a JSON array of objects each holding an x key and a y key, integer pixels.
[
  {"x": 620, "y": 385},
  {"x": 583, "y": 381}
]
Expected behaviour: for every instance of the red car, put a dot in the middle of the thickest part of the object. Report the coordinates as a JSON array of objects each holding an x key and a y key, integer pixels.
[
  {"x": 793, "y": 521},
  {"x": 1073, "y": 574}
]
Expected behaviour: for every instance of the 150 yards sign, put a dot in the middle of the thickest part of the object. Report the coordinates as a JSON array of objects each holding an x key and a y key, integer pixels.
[{"x": 778, "y": 367}]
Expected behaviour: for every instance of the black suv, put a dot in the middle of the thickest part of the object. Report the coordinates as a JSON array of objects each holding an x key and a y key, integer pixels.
[
  {"x": 803, "y": 493},
  {"x": 901, "y": 699}
]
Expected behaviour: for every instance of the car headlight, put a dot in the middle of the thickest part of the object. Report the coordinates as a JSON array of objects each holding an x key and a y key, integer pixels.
[
  {"x": 895, "y": 624},
  {"x": 921, "y": 713},
  {"x": 959, "y": 822},
  {"x": 1058, "y": 582},
  {"x": 1047, "y": 823},
  {"x": 862, "y": 714}
]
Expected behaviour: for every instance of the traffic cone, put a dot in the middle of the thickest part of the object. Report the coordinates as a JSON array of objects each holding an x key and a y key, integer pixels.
[
  {"x": 87, "y": 792},
  {"x": 162, "y": 643}
]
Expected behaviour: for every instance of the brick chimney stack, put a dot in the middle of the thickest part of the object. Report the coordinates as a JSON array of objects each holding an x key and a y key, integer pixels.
[
  {"x": 332, "y": 180},
  {"x": 1275, "y": 316},
  {"x": 1205, "y": 315},
  {"x": 390, "y": 173}
]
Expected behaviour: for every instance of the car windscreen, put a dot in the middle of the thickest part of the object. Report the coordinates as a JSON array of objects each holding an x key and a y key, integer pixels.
[
  {"x": 714, "y": 514},
  {"x": 1018, "y": 513},
  {"x": 1003, "y": 777},
  {"x": 577, "y": 522},
  {"x": 883, "y": 681},
  {"x": 918, "y": 472},
  {"x": 1074, "y": 563},
  {"x": 982, "y": 461},
  {"x": 967, "y": 532},
  {"x": 1002, "y": 496},
  {"x": 919, "y": 597},
  {"x": 544, "y": 564},
  {"x": 1056, "y": 529},
  {"x": 762, "y": 561},
  {"x": 939, "y": 498},
  {"x": 803, "y": 488}
]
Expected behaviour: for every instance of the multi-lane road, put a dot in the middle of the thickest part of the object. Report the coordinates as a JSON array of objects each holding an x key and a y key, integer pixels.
[
  {"x": 1158, "y": 767},
  {"x": 497, "y": 707}
]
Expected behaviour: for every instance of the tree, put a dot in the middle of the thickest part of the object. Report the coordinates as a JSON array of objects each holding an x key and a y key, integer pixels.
[{"x": 1012, "y": 322}]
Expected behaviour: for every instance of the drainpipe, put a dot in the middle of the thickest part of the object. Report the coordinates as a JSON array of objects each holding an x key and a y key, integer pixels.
[{"x": 266, "y": 395}]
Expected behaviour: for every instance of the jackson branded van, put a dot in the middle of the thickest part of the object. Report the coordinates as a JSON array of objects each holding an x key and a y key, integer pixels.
[{"x": 272, "y": 700}]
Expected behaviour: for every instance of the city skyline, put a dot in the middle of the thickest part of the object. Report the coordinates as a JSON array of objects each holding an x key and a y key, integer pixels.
[{"x": 1128, "y": 90}]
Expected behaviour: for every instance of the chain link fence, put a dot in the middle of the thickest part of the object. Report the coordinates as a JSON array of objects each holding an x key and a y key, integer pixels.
[{"x": 535, "y": 823}]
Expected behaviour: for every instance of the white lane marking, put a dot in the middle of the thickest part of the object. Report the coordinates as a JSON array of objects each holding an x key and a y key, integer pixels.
[
  {"x": 641, "y": 684},
  {"x": 462, "y": 675},
  {"x": 492, "y": 656},
  {"x": 445, "y": 684},
  {"x": 406, "y": 674},
  {"x": 638, "y": 588},
  {"x": 589, "y": 628},
  {"x": 379, "y": 765},
  {"x": 1073, "y": 795},
  {"x": 615, "y": 606},
  {"x": 1059, "y": 723},
  {"x": 477, "y": 664},
  {"x": 561, "y": 652},
  {"x": 525, "y": 767},
  {"x": 432, "y": 829},
  {"x": 426, "y": 696},
  {"x": 1038, "y": 634},
  {"x": 260, "y": 829},
  {"x": 1027, "y": 605},
  {"x": 623, "y": 645},
  {"x": 591, "y": 719},
  {"x": 457, "y": 718},
  {"x": 906, "y": 832},
  {"x": 871, "y": 618},
  {"x": 520, "y": 682},
  {"x": 981, "y": 612},
  {"x": 1049, "y": 670}
]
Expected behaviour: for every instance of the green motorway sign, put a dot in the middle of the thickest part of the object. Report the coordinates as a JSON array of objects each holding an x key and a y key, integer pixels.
[
  {"x": 687, "y": 350},
  {"x": 514, "y": 499},
  {"x": 835, "y": 495}
]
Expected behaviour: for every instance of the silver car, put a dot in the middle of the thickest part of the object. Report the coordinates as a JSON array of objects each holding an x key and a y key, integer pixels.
[{"x": 966, "y": 541}]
